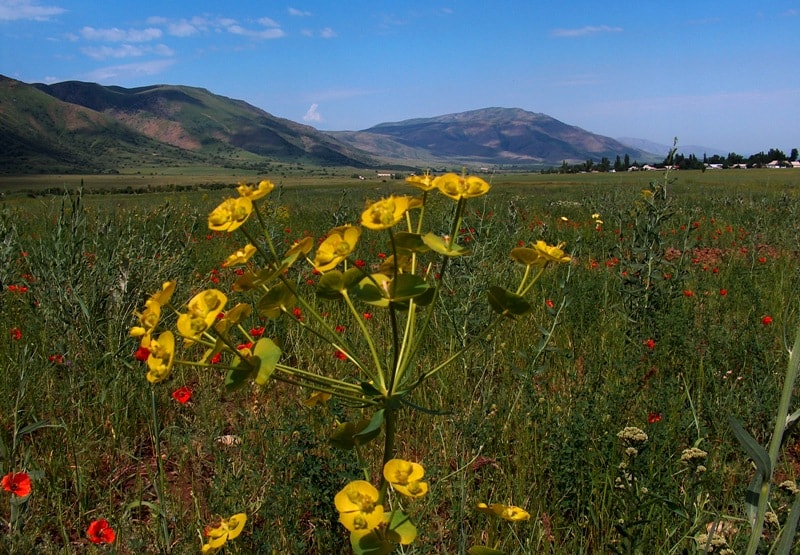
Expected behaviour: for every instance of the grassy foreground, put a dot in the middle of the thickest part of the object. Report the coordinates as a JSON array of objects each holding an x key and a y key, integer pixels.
[{"x": 667, "y": 320}]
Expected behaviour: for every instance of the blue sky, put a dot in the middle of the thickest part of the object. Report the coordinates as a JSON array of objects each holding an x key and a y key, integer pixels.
[{"x": 722, "y": 74}]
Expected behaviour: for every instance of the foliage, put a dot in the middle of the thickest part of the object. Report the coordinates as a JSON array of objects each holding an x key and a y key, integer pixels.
[{"x": 518, "y": 422}]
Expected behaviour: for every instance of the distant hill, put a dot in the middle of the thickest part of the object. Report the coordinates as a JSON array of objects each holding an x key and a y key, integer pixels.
[
  {"x": 489, "y": 136},
  {"x": 663, "y": 149},
  {"x": 86, "y": 127},
  {"x": 77, "y": 127}
]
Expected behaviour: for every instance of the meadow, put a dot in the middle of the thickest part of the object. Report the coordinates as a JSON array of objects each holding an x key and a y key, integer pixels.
[{"x": 600, "y": 407}]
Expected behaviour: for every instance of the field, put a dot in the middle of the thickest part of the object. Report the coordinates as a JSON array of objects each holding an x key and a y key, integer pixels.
[{"x": 676, "y": 310}]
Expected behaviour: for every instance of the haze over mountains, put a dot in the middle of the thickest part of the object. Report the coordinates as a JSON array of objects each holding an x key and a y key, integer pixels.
[{"x": 76, "y": 127}]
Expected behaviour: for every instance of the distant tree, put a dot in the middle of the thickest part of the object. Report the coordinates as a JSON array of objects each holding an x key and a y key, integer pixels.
[
  {"x": 587, "y": 166},
  {"x": 605, "y": 164},
  {"x": 776, "y": 154},
  {"x": 734, "y": 158},
  {"x": 618, "y": 164},
  {"x": 627, "y": 163},
  {"x": 793, "y": 155}
]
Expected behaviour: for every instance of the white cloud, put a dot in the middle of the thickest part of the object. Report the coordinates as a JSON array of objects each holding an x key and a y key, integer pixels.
[
  {"x": 298, "y": 13},
  {"x": 128, "y": 71},
  {"x": 126, "y": 51},
  {"x": 268, "y": 22},
  {"x": 120, "y": 35},
  {"x": 14, "y": 10},
  {"x": 182, "y": 28},
  {"x": 584, "y": 31},
  {"x": 313, "y": 114},
  {"x": 328, "y": 33}
]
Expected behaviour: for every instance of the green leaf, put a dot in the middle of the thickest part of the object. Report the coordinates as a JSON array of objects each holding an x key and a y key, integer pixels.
[
  {"x": 30, "y": 428},
  {"x": 369, "y": 544},
  {"x": 502, "y": 300},
  {"x": 367, "y": 291},
  {"x": 407, "y": 286},
  {"x": 789, "y": 529},
  {"x": 483, "y": 550},
  {"x": 401, "y": 530},
  {"x": 274, "y": 300},
  {"x": 342, "y": 436},
  {"x": 372, "y": 429},
  {"x": 437, "y": 244},
  {"x": 331, "y": 285},
  {"x": 410, "y": 242},
  {"x": 349, "y": 434},
  {"x": 754, "y": 450},
  {"x": 760, "y": 458},
  {"x": 369, "y": 389},
  {"x": 268, "y": 354},
  {"x": 239, "y": 374}
]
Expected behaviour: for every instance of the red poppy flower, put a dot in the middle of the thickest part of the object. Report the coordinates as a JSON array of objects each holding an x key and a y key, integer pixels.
[
  {"x": 57, "y": 358},
  {"x": 101, "y": 532},
  {"x": 246, "y": 345},
  {"x": 340, "y": 355},
  {"x": 182, "y": 395},
  {"x": 141, "y": 354},
  {"x": 216, "y": 358},
  {"x": 17, "y": 483},
  {"x": 360, "y": 263},
  {"x": 723, "y": 292},
  {"x": 340, "y": 328},
  {"x": 766, "y": 320},
  {"x": 549, "y": 303},
  {"x": 297, "y": 313},
  {"x": 16, "y": 334},
  {"x": 654, "y": 417},
  {"x": 367, "y": 316},
  {"x": 688, "y": 293},
  {"x": 649, "y": 343},
  {"x": 257, "y": 332}
]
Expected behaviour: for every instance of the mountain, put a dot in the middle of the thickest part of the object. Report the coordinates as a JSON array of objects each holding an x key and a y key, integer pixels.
[
  {"x": 662, "y": 150},
  {"x": 86, "y": 127},
  {"x": 77, "y": 127},
  {"x": 490, "y": 136}
]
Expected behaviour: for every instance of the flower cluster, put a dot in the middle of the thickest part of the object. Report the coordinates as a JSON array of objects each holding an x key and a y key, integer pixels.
[{"x": 227, "y": 529}]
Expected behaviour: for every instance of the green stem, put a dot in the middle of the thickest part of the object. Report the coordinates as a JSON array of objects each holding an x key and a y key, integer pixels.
[
  {"x": 775, "y": 442},
  {"x": 390, "y": 421},
  {"x": 159, "y": 483}
]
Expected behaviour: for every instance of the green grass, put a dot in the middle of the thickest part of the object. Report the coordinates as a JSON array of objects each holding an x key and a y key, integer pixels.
[{"x": 515, "y": 425}]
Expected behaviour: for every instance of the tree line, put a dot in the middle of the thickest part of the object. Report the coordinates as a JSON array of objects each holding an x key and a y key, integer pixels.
[{"x": 680, "y": 161}]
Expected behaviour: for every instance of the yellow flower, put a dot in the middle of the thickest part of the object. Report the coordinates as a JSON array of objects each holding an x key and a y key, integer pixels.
[
  {"x": 148, "y": 320},
  {"x": 228, "y": 529},
  {"x": 506, "y": 512},
  {"x": 358, "y": 506},
  {"x": 317, "y": 398},
  {"x": 254, "y": 193},
  {"x": 202, "y": 311},
  {"x": 162, "y": 354},
  {"x": 385, "y": 213},
  {"x": 240, "y": 257},
  {"x": 231, "y": 214},
  {"x": 406, "y": 477},
  {"x": 341, "y": 241},
  {"x": 424, "y": 182},
  {"x": 458, "y": 186},
  {"x": 163, "y": 296},
  {"x": 551, "y": 254}
]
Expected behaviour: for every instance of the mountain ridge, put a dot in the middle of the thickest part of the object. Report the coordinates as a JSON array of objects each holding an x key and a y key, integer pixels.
[{"x": 74, "y": 127}]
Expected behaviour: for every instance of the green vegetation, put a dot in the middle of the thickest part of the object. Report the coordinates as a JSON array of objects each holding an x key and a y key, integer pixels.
[{"x": 674, "y": 314}]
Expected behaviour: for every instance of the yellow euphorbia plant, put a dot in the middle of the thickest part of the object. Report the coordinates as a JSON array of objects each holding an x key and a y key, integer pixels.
[{"x": 405, "y": 286}]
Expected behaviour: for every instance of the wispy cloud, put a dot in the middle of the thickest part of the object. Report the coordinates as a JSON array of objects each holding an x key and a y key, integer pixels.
[
  {"x": 790, "y": 13},
  {"x": 129, "y": 71},
  {"x": 14, "y": 10},
  {"x": 313, "y": 114},
  {"x": 188, "y": 27},
  {"x": 298, "y": 13},
  {"x": 328, "y": 33},
  {"x": 585, "y": 31},
  {"x": 126, "y": 51},
  {"x": 121, "y": 35}
]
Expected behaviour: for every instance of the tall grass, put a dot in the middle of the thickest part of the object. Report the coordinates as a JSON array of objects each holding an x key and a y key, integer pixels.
[{"x": 519, "y": 421}]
